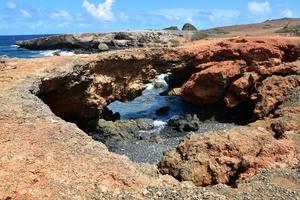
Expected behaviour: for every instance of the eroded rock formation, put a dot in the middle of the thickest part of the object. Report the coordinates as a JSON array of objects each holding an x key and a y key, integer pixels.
[
  {"x": 44, "y": 157},
  {"x": 255, "y": 71},
  {"x": 226, "y": 156}
]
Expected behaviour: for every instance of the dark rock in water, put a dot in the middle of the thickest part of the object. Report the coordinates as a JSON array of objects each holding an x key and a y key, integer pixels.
[
  {"x": 189, "y": 27},
  {"x": 109, "y": 115},
  {"x": 186, "y": 123},
  {"x": 121, "y": 130},
  {"x": 163, "y": 111},
  {"x": 57, "y": 53},
  {"x": 158, "y": 85},
  {"x": 172, "y": 28}
]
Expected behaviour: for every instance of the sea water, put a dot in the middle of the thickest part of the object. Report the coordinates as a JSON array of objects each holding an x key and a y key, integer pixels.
[{"x": 9, "y": 48}]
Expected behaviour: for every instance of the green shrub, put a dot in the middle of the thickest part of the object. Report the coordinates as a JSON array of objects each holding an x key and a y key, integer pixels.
[
  {"x": 199, "y": 35},
  {"x": 289, "y": 29}
]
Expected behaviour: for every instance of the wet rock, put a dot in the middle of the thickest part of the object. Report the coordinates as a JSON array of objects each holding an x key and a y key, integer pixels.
[
  {"x": 144, "y": 123},
  {"x": 186, "y": 123},
  {"x": 227, "y": 156},
  {"x": 162, "y": 111},
  {"x": 121, "y": 130},
  {"x": 189, "y": 27},
  {"x": 159, "y": 85}
]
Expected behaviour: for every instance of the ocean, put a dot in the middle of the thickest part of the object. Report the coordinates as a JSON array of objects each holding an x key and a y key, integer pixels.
[{"x": 8, "y": 47}]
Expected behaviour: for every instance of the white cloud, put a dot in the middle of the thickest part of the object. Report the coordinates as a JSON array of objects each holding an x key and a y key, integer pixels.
[
  {"x": 103, "y": 12},
  {"x": 259, "y": 7},
  {"x": 11, "y": 5},
  {"x": 61, "y": 15},
  {"x": 25, "y": 13},
  {"x": 286, "y": 13}
]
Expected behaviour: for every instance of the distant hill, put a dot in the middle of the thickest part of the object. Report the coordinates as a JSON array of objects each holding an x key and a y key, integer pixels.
[{"x": 269, "y": 27}]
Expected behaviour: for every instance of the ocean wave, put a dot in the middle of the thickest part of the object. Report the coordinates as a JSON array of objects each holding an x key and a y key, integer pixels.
[
  {"x": 15, "y": 46},
  {"x": 160, "y": 78},
  {"x": 159, "y": 123},
  {"x": 47, "y": 53},
  {"x": 56, "y": 52},
  {"x": 67, "y": 53}
]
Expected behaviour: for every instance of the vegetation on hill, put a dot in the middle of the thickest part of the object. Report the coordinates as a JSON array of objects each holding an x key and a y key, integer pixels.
[
  {"x": 199, "y": 35},
  {"x": 289, "y": 29}
]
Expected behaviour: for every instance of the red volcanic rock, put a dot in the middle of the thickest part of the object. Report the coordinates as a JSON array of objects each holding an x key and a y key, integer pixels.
[
  {"x": 227, "y": 156},
  {"x": 237, "y": 70},
  {"x": 241, "y": 89},
  {"x": 208, "y": 85},
  {"x": 273, "y": 92}
]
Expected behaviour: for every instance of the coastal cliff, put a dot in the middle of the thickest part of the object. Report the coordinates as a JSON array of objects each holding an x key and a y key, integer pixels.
[
  {"x": 97, "y": 42},
  {"x": 47, "y": 157}
]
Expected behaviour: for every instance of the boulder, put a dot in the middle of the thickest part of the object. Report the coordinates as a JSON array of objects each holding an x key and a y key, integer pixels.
[
  {"x": 227, "y": 156},
  {"x": 189, "y": 27},
  {"x": 162, "y": 111},
  {"x": 158, "y": 85},
  {"x": 121, "y": 130},
  {"x": 186, "y": 123},
  {"x": 103, "y": 47}
]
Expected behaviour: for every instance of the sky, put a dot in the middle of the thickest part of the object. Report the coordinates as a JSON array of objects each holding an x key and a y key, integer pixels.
[{"x": 20, "y": 17}]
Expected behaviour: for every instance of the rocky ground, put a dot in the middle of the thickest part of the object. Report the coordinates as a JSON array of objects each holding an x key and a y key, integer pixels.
[{"x": 45, "y": 157}]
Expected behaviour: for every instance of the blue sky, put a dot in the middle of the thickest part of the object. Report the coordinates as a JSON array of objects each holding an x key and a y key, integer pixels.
[{"x": 69, "y": 16}]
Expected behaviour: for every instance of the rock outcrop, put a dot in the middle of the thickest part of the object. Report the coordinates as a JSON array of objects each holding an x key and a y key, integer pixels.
[
  {"x": 245, "y": 71},
  {"x": 189, "y": 27},
  {"x": 172, "y": 28},
  {"x": 96, "y": 42},
  {"x": 227, "y": 156}
]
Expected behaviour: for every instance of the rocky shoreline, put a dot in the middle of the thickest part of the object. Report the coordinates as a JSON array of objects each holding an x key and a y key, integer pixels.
[
  {"x": 46, "y": 157},
  {"x": 99, "y": 42}
]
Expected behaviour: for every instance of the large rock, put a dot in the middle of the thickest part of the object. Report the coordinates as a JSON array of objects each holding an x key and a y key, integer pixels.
[
  {"x": 121, "y": 130},
  {"x": 208, "y": 85},
  {"x": 244, "y": 72},
  {"x": 186, "y": 123},
  {"x": 227, "y": 156},
  {"x": 189, "y": 27}
]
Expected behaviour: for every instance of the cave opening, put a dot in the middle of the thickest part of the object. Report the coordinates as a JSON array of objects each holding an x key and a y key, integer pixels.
[{"x": 145, "y": 127}]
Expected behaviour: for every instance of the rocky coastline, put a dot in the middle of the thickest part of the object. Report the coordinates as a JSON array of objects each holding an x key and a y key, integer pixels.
[
  {"x": 99, "y": 42},
  {"x": 50, "y": 106}
]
